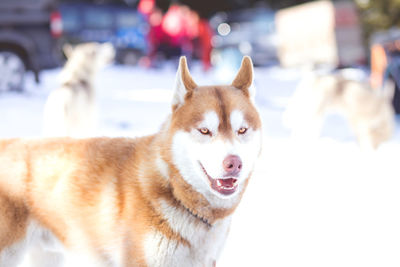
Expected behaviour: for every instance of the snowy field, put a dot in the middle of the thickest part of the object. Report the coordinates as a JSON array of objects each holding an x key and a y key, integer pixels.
[{"x": 324, "y": 203}]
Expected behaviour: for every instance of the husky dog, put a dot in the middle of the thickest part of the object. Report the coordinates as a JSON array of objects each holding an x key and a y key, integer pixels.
[
  {"x": 160, "y": 200},
  {"x": 70, "y": 109},
  {"x": 369, "y": 111}
]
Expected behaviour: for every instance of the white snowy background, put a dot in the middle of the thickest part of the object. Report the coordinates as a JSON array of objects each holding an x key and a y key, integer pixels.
[{"x": 324, "y": 203}]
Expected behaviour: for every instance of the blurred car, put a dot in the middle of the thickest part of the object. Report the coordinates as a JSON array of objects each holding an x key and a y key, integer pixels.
[
  {"x": 29, "y": 40},
  {"x": 119, "y": 24},
  {"x": 250, "y": 31}
]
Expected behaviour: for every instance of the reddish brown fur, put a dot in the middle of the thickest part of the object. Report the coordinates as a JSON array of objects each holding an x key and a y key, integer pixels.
[
  {"x": 222, "y": 100},
  {"x": 89, "y": 166},
  {"x": 186, "y": 77},
  {"x": 14, "y": 218},
  {"x": 95, "y": 188},
  {"x": 244, "y": 78}
]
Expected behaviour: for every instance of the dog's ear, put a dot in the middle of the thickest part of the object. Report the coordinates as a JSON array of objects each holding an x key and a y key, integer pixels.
[
  {"x": 184, "y": 84},
  {"x": 67, "y": 49},
  {"x": 244, "y": 78}
]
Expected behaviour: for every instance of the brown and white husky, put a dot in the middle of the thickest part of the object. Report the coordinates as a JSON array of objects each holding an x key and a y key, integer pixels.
[
  {"x": 161, "y": 200},
  {"x": 368, "y": 111},
  {"x": 70, "y": 110}
]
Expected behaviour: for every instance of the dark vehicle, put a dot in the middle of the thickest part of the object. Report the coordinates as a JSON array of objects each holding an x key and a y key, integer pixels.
[
  {"x": 29, "y": 40},
  {"x": 119, "y": 24},
  {"x": 251, "y": 32}
]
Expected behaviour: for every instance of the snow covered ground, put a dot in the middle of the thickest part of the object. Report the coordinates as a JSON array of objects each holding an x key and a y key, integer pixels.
[{"x": 324, "y": 203}]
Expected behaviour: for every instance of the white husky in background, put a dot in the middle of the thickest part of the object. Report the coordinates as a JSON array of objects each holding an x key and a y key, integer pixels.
[
  {"x": 70, "y": 109},
  {"x": 369, "y": 111}
]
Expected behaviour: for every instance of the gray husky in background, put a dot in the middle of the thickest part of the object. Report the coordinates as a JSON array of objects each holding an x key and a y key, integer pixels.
[
  {"x": 368, "y": 111},
  {"x": 70, "y": 109}
]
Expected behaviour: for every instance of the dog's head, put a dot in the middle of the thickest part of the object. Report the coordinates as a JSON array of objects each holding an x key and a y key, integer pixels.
[
  {"x": 94, "y": 54},
  {"x": 215, "y": 133}
]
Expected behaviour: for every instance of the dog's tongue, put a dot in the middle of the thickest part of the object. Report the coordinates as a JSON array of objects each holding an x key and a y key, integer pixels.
[
  {"x": 227, "y": 182},
  {"x": 224, "y": 186}
]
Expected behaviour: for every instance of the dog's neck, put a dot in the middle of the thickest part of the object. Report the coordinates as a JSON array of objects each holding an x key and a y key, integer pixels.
[
  {"x": 201, "y": 219},
  {"x": 77, "y": 72},
  {"x": 195, "y": 203}
]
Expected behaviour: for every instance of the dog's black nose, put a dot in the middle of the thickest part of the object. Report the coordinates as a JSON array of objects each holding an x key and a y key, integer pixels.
[{"x": 232, "y": 165}]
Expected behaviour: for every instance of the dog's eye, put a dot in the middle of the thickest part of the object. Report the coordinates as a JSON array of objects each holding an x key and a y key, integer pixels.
[
  {"x": 205, "y": 131},
  {"x": 242, "y": 130}
]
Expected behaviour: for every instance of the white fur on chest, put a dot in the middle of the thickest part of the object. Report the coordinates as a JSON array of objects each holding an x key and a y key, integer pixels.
[{"x": 206, "y": 242}]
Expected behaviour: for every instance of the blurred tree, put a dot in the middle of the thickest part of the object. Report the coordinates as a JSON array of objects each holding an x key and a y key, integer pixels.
[{"x": 378, "y": 15}]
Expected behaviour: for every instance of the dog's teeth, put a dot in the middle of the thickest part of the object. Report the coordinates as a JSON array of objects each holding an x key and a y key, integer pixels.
[{"x": 218, "y": 182}]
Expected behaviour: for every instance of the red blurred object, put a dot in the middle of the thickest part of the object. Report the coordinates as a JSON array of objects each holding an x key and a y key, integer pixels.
[
  {"x": 155, "y": 18},
  {"x": 173, "y": 22},
  {"x": 56, "y": 26},
  {"x": 180, "y": 25},
  {"x": 177, "y": 31},
  {"x": 146, "y": 6},
  {"x": 205, "y": 35}
]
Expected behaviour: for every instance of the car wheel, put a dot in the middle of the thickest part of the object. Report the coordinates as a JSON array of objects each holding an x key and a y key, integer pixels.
[{"x": 12, "y": 71}]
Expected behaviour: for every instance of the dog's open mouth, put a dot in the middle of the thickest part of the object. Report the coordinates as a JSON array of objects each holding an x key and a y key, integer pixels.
[{"x": 224, "y": 186}]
